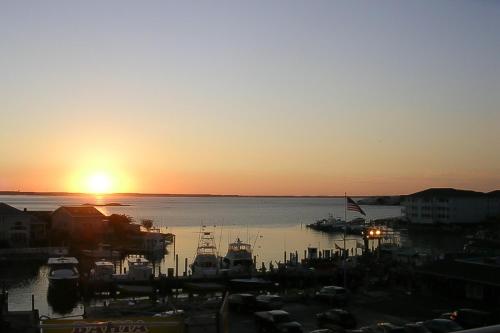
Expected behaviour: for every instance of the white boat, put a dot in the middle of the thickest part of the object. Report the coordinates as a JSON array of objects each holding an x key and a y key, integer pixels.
[
  {"x": 63, "y": 271},
  {"x": 206, "y": 262},
  {"x": 103, "y": 271},
  {"x": 139, "y": 269},
  {"x": 238, "y": 258},
  {"x": 102, "y": 251}
]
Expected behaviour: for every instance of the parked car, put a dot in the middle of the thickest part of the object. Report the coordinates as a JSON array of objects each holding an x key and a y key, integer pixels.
[
  {"x": 440, "y": 325},
  {"x": 471, "y": 318},
  {"x": 338, "y": 317},
  {"x": 416, "y": 328},
  {"x": 276, "y": 321},
  {"x": 383, "y": 328},
  {"x": 333, "y": 295},
  {"x": 269, "y": 302},
  {"x": 241, "y": 302}
]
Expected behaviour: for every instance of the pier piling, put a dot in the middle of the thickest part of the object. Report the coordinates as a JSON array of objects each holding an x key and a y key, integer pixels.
[{"x": 176, "y": 265}]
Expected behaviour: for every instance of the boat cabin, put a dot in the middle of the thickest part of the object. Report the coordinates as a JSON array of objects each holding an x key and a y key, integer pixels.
[
  {"x": 103, "y": 270},
  {"x": 63, "y": 269},
  {"x": 239, "y": 256},
  {"x": 139, "y": 269}
]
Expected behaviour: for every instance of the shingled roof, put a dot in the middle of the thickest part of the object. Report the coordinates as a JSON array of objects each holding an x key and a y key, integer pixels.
[
  {"x": 447, "y": 192},
  {"x": 82, "y": 211},
  {"x": 9, "y": 210}
]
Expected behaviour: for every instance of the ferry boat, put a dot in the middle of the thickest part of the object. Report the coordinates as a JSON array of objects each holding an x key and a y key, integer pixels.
[
  {"x": 63, "y": 271},
  {"x": 238, "y": 258},
  {"x": 206, "y": 262}
]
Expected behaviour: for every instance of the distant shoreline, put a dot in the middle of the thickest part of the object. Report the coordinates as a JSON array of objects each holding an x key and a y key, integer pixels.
[{"x": 193, "y": 195}]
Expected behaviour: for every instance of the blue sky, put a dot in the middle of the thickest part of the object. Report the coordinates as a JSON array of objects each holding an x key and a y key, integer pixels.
[{"x": 256, "y": 97}]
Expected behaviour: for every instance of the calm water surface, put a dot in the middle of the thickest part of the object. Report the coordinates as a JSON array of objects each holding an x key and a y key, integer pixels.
[{"x": 272, "y": 225}]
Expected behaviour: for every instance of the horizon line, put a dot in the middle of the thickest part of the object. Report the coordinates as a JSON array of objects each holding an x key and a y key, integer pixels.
[{"x": 193, "y": 195}]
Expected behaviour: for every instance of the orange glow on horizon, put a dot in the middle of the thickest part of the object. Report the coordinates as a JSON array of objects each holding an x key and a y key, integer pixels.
[{"x": 99, "y": 183}]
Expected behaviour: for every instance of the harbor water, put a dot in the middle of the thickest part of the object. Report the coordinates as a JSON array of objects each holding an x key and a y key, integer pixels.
[{"x": 272, "y": 225}]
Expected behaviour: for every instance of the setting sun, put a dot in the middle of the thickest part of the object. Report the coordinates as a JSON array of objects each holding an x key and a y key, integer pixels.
[{"x": 99, "y": 183}]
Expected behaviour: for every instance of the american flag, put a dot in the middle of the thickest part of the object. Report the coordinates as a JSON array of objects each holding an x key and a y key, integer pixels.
[{"x": 352, "y": 205}]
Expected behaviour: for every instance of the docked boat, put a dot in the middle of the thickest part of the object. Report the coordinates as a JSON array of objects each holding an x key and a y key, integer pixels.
[
  {"x": 137, "y": 280},
  {"x": 329, "y": 224},
  {"x": 335, "y": 224},
  {"x": 103, "y": 251},
  {"x": 63, "y": 271},
  {"x": 139, "y": 269},
  {"x": 102, "y": 271},
  {"x": 238, "y": 258},
  {"x": 206, "y": 262}
]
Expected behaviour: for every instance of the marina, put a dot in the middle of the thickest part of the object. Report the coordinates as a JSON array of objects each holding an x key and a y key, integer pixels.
[
  {"x": 272, "y": 225},
  {"x": 249, "y": 166}
]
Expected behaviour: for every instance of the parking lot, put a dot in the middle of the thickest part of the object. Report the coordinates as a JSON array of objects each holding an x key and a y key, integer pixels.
[{"x": 395, "y": 306}]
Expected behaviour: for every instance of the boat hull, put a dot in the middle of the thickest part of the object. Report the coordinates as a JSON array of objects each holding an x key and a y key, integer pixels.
[{"x": 66, "y": 282}]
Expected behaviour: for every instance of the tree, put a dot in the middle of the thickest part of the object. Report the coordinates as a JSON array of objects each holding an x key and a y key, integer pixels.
[
  {"x": 147, "y": 223},
  {"x": 119, "y": 222}
]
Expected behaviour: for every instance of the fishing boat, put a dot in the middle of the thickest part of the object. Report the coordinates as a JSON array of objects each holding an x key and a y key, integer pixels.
[
  {"x": 238, "y": 258},
  {"x": 206, "y": 262},
  {"x": 63, "y": 271}
]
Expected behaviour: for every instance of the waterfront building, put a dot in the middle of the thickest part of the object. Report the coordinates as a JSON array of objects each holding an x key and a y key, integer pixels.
[
  {"x": 451, "y": 206},
  {"x": 79, "y": 222},
  {"x": 18, "y": 228}
]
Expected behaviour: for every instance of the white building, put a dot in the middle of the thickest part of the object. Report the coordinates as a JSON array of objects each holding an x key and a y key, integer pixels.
[{"x": 451, "y": 206}]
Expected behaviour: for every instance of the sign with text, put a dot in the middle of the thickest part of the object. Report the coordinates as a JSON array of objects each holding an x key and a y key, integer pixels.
[{"x": 174, "y": 324}]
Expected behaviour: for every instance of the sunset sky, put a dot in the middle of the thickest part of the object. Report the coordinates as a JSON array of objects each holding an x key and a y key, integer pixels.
[{"x": 249, "y": 97}]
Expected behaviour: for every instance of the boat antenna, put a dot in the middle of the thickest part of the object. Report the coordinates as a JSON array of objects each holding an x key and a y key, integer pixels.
[
  {"x": 255, "y": 241},
  {"x": 220, "y": 237},
  {"x": 199, "y": 239}
]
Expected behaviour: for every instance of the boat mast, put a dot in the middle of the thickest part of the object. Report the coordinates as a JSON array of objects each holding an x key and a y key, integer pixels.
[
  {"x": 345, "y": 217},
  {"x": 345, "y": 231}
]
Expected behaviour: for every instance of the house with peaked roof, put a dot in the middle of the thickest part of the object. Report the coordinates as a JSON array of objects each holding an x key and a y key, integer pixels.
[
  {"x": 451, "y": 206},
  {"x": 79, "y": 222},
  {"x": 19, "y": 228}
]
